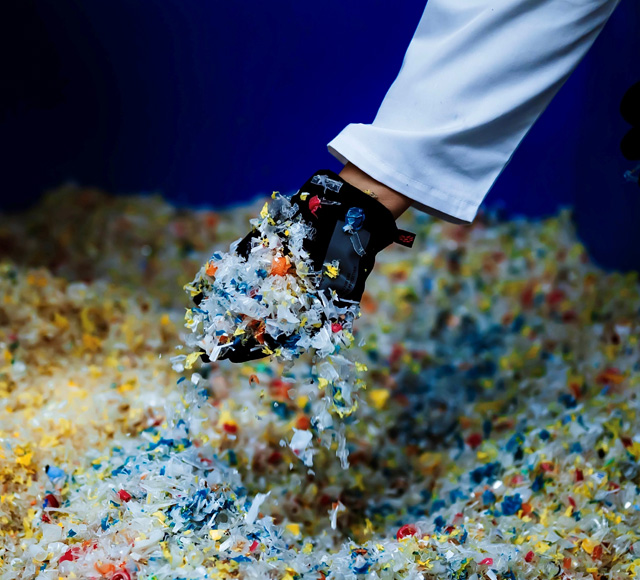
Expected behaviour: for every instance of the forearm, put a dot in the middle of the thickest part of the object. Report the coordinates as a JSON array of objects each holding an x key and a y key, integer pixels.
[{"x": 477, "y": 75}]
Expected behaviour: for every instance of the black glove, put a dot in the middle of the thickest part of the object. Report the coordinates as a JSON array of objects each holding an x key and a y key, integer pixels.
[
  {"x": 630, "y": 110},
  {"x": 351, "y": 227}
]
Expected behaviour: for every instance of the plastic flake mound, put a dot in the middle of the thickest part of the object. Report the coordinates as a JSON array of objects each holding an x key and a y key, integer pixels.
[{"x": 496, "y": 438}]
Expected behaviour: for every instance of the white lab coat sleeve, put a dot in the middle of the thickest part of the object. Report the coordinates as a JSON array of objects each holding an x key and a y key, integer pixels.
[{"x": 476, "y": 76}]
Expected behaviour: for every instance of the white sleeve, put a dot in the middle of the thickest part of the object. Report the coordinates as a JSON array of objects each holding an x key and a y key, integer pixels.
[{"x": 476, "y": 76}]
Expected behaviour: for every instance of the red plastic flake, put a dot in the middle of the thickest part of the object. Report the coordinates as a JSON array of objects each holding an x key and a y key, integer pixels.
[
  {"x": 474, "y": 440},
  {"x": 303, "y": 423},
  {"x": 51, "y": 500},
  {"x": 279, "y": 389},
  {"x": 230, "y": 428},
  {"x": 45, "y": 518},
  {"x": 579, "y": 475},
  {"x": 566, "y": 564},
  {"x": 124, "y": 495},
  {"x": 572, "y": 502},
  {"x": 597, "y": 552},
  {"x": 275, "y": 458},
  {"x": 121, "y": 575},
  {"x": 546, "y": 466},
  {"x": 526, "y": 298},
  {"x": 314, "y": 204},
  {"x": 69, "y": 556},
  {"x": 529, "y": 556},
  {"x": 406, "y": 531},
  {"x": 396, "y": 352},
  {"x": 336, "y": 327},
  {"x": 254, "y": 545},
  {"x": 555, "y": 296},
  {"x": 487, "y": 562}
]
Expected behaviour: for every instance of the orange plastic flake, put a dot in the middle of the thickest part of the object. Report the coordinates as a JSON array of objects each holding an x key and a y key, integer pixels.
[
  {"x": 368, "y": 303},
  {"x": 211, "y": 269},
  {"x": 610, "y": 376},
  {"x": 104, "y": 569},
  {"x": 280, "y": 266},
  {"x": 254, "y": 380}
]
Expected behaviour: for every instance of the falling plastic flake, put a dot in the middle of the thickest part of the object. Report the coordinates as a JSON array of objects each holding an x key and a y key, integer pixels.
[
  {"x": 497, "y": 437},
  {"x": 284, "y": 312}
]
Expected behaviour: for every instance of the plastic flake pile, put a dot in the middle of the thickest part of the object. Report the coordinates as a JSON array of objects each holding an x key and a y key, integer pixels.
[{"x": 496, "y": 438}]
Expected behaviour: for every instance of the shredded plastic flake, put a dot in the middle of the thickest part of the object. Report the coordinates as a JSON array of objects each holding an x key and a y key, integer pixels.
[
  {"x": 274, "y": 293},
  {"x": 497, "y": 436}
]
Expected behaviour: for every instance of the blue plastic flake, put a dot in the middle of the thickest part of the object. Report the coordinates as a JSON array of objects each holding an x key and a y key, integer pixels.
[
  {"x": 71, "y": 533},
  {"x": 488, "y": 471},
  {"x": 511, "y": 504},
  {"x": 575, "y": 447},
  {"x": 515, "y": 442},
  {"x": 281, "y": 410},
  {"x": 437, "y": 505},
  {"x": 488, "y": 497},
  {"x": 538, "y": 483},
  {"x": 181, "y": 379},
  {"x": 440, "y": 523},
  {"x": 464, "y": 536},
  {"x": 544, "y": 434},
  {"x": 54, "y": 473},
  {"x": 354, "y": 219},
  {"x": 569, "y": 401}
]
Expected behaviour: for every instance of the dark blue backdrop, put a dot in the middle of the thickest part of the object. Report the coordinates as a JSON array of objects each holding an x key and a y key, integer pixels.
[{"x": 214, "y": 102}]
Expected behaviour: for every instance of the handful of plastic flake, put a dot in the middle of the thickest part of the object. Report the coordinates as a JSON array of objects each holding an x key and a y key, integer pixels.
[{"x": 266, "y": 299}]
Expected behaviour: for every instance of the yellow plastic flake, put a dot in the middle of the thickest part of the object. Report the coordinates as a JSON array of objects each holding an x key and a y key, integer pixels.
[
  {"x": 25, "y": 459},
  {"x": 290, "y": 574},
  {"x": 294, "y": 529},
  {"x": 308, "y": 548},
  {"x": 379, "y": 398},
  {"x": 60, "y": 321},
  {"x": 542, "y": 547},
  {"x": 216, "y": 534},
  {"x": 264, "y": 212},
  {"x": 331, "y": 271},
  {"x": 361, "y": 368},
  {"x": 191, "y": 359},
  {"x": 159, "y": 515},
  {"x": 588, "y": 545}
]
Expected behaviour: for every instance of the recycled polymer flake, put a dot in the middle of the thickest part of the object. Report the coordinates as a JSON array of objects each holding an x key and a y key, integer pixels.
[{"x": 497, "y": 436}]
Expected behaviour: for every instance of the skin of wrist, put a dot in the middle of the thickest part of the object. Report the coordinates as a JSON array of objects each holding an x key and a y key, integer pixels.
[{"x": 395, "y": 202}]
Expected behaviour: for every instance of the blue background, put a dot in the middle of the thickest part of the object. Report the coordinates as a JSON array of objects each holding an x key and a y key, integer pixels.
[{"x": 214, "y": 102}]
